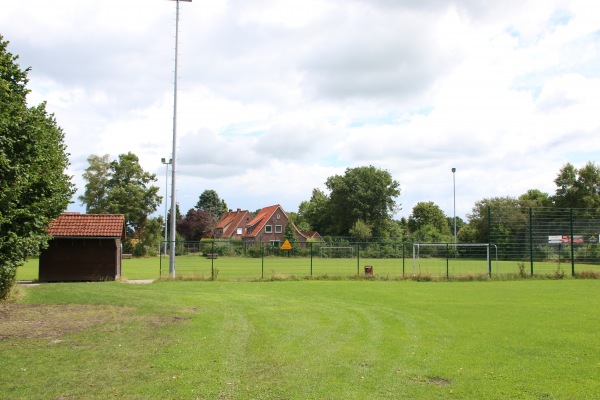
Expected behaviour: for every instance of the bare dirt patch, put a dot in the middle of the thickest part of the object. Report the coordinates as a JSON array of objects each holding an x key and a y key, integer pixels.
[
  {"x": 436, "y": 380},
  {"x": 53, "y": 320}
]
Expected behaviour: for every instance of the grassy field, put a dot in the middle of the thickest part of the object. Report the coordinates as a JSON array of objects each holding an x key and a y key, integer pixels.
[
  {"x": 528, "y": 339},
  {"x": 240, "y": 268}
]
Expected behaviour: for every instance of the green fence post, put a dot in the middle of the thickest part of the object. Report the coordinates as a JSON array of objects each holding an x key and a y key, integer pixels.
[
  {"x": 262, "y": 259},
  {"x": 402, "y": 259},
  {"x": 572, "y": 245},
  {"x": 212, "y": 260},
  {"x": 447, "y": 250},
  {"x": 489, "y": 238},
  {"x": 357, "y": 258},
  {"x": 531, "y": 238},
  {"x": 311, "y": 256}
]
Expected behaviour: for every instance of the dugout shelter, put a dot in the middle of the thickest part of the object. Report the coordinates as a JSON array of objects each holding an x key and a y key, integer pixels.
[{"x": 84, "y": 247}]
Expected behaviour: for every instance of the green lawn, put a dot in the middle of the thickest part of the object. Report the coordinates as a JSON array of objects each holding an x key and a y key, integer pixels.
[
  {"x": 528, "y": 339},
  {"x": 241, "y": 268}
]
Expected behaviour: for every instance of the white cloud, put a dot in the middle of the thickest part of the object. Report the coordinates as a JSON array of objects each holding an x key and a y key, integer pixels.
[{"x": 275, "y": 96}]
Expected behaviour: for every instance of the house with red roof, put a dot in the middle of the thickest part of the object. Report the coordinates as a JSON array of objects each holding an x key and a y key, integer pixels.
[
  {"x": 84, "y": 247},
  {"x": 269, "y": 227},
  {"x": 231, "y": 224},
  {"x": 313, "y": 235}
]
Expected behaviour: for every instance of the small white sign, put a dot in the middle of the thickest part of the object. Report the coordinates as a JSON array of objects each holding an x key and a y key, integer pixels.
[{"x": 555, "y": 239}]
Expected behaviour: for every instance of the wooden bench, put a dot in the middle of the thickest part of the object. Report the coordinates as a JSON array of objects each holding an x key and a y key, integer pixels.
[
  {"x": 126, "y": 256},
  {"x": 211, "y": 255}
]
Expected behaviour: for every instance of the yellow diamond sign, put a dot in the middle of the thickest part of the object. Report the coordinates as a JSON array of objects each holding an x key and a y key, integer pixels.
[{"x": 286, "y": 245}]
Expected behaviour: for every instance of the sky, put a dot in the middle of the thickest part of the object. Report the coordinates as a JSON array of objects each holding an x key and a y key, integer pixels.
[{"x": 275, "y": 96}]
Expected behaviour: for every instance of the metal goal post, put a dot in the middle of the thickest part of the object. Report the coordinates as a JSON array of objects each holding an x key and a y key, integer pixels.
[{"x": 417, "y": 251}]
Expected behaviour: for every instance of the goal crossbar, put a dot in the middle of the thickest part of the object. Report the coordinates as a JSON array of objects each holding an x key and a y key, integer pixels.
[
  {"x": 337, "y": 248},
  {"x": 417, "y": 250}
]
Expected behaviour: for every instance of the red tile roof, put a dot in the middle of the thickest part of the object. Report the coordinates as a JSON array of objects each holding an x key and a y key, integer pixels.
[
  {"x": 231, "y": 220},
  {"x": 312, "y": 234},
  {"x": 261, "y": 219},
  {"x": 88, "y": 225}
]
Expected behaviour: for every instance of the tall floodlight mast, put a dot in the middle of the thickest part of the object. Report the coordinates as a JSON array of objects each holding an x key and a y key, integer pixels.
[
  {"x": 174, "y": 152},
  {"x": 454, "y": 197}
]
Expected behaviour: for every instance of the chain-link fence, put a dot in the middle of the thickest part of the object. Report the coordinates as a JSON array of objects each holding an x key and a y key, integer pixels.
[
  {"x": 231, "y": 260},
  {"x": 517, "y": 241},
  {"x": 547, "y": 240}
]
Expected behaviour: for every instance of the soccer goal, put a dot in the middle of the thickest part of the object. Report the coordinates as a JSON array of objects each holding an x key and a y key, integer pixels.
[
  {"x": 466, "y": 252},
  {"x": 337, "y": 252}
]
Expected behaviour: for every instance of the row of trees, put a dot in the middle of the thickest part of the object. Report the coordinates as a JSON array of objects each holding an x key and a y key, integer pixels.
[
  {"x": 122, "y": 186},
  {"x": 360, "y": 203},
  {"x": 575, "y": 188}
]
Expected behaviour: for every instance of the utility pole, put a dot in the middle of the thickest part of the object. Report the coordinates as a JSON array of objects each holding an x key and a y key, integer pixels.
[
  {"x": 454, "y": 186},
  {"x": 174, "y": 152}
]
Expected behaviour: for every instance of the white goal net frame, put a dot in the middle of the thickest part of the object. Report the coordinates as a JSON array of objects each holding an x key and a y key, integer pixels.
[
  {"x": 351, "y": 248},
  {"x": 417, "y": 252}
]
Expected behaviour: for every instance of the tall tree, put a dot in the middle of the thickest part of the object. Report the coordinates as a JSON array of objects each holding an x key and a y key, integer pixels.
[
  {"x": 97, "y": 175},
  {"x": 209, "y": 201},
  {"x": 315, "y": 212},
  {"x": 34, "y": 188},
  {"x": 299, "y": 221},
  {"x": 535, "y": 198},
  {"x": 428, "y": 223},
  {"x": 121, "y": 187},
  {"x": 289, "y": 232},
  {"x": 361, "y": 231},
  {"x": 428, "y": 213},
  {"x": 178, "y": 217},
  {"x": 508, "y": 221},
  {"x": 459, "y": 224},
  {"x": 365, "y": 193},
  {"x": 196, "y": 225},
  {"x": 578, "y": 188}
]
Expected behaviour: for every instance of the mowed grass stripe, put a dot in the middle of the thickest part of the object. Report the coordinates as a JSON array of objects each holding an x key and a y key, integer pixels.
[{"x": 317, "y": 339}]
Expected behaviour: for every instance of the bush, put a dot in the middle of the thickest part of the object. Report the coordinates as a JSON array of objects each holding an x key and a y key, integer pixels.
[
  {"x": 254, "y": 252},
  {"x": 138, "y": 250},
  {"x": 7, "y": 279}
]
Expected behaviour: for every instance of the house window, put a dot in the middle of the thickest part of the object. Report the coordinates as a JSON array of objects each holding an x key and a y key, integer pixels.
[
  {"x": 278, "y": 229},
  {"x": 219, "y": 231},
  {"x": 239, "y": 231},
  {"x": 278, "y": 216},
  {"x": 268, "y": 228}
]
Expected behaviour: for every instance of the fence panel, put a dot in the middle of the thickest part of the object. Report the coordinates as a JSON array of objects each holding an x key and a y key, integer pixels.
[
  {"x": 546, "y": 240},
  {"x": 522, "y": 241}
]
